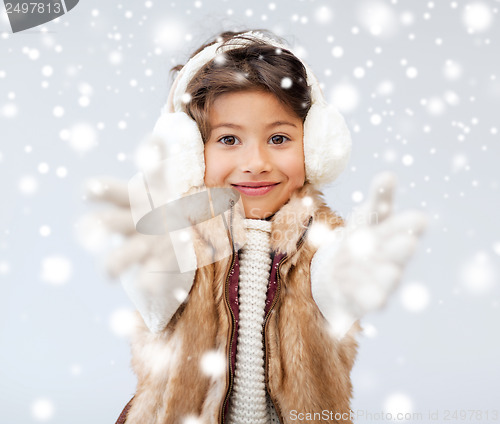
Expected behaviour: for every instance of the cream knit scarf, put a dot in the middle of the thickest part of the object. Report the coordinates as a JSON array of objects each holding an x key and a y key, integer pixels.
[{"x": 249, "y": 400}]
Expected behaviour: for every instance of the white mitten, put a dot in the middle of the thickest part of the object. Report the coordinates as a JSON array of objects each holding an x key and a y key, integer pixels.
[
  {"x": 358, "y": 266},
  {"x": 146, "y": 264}
]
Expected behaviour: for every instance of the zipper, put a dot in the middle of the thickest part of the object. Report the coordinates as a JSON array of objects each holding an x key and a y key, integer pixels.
[
  {"x": 230, "y": 343},
  {"x": 226, "y": 295},
  {"x": 278, "y": 411},
  {"x": 299, "y": 245}
]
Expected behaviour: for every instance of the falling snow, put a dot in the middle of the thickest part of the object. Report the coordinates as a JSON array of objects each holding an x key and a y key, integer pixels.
[
  {"x": 28, "y": 185},
  {"x": 323, "y": 15},
  {"x": 357, "y": 196},
  {"x": 337, "y": 51},
  {"x": 170, "y": 35},
  {"x": 411, "y": 72},
  {"x": 4, "y": 268},
  {"x": 47, "y": 71},
  {"x": 9, "y": 110},
  {"x": 45, "y": 230},
  {"x": 56, "y": 270},
  {"x": 42, "y": 410},
  {"x": 477, "y": 16},
  {"x": 398, "y": 403},
  {"x": 213, "y": 363},
  {"x": 407, "y": 160},
  {"x": 81, "y": 137},
  {"x": 58, "y": 111},
  {"x": 191, "y": 419},
  {"x": 385, "y": 88},
  {"x": 345, "y": 97},
  {"x": 122, "y": 322},
  {"x": 91, "y": 233},
  {"x": 319, "y": 234},
  {"x": 435, "y": 106},
  {"x": 415, "y": 297},
  {"x": 378, "y": 19},
  {"x": 452, "y": 70},
  {"x": 478, "y": 274},
  {"x": 418, "y": 88},
  {"x": 43, "y": 168},
  {"x": 286, "y": 83}
]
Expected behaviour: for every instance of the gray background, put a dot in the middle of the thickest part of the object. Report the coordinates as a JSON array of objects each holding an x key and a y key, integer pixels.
[{"x": 78, "y": 95}]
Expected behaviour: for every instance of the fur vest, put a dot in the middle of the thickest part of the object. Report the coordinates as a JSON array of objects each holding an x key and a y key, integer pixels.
[{"x": 307, "y": 370}]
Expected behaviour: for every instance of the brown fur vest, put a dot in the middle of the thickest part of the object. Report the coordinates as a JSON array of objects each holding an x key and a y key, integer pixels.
[{"x": 307, "y": 370}]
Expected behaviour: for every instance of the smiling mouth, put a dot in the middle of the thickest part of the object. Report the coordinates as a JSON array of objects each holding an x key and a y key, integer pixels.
[
  {"x": 255, "y": 189},
  {"x": 255, "y": 185}
]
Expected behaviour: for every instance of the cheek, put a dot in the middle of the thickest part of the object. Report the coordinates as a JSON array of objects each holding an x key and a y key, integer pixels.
[
  {"x": 210, "y": 169},
  {"x": 295, "y": 169},
  {"x": 215, "y": 169}
]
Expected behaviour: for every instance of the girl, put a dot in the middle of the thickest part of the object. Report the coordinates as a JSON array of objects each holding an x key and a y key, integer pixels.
[{"x": 266, "y": 330}]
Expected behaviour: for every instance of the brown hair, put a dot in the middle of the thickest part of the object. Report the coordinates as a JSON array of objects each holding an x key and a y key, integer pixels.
[{"x": 255, "y": 66}]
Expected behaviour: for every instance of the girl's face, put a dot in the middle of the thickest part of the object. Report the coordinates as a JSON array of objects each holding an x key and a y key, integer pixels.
[{"x": 256, "y": 147}]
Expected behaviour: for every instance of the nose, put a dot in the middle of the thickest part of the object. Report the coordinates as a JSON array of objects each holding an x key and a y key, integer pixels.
[{"x": 256, "y": 159}]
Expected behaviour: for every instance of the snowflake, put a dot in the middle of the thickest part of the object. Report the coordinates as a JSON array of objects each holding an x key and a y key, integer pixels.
[
  {"x": 415, "y": 297},
  {"x": 122, "y": 322},
  {"x": 56, "y": 270},
  {"x": 378, "y": 19},
  {"x": 286, "y": 83},
  {"x": 28, "y": 184},
  {"x": 213, "y": 363},
  {"x": 42, "y": 409},
  {"x": 478, "y": 275},
  {"x": 82, "y": 137},
  {"x": 323, "y": 15},
  {"x": 452, "y": 70},
  {"x": 398, "y": 403},
  {"x": 477, "y": 17},
  {"x": 9, "y": 110},
  {"x": 345, "y": 97},
  {"x": 58, "y": 111}
]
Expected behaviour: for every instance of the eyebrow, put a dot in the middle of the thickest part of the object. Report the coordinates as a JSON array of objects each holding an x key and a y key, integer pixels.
[{"x": 272, "y": 124}]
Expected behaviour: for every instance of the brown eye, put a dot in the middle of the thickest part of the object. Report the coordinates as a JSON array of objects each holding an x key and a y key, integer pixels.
[
  {"x": 278, "y": 139},
  {"x": 228, "y": 140}
]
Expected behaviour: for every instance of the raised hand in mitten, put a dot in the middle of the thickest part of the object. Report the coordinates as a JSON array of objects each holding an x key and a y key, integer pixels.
[
  {"x": 356, "y": 269},
  {"x": 145, "y": 264}
]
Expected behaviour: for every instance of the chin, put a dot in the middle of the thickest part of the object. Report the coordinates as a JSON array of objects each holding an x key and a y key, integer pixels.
[{"x": 258, "y": 213}]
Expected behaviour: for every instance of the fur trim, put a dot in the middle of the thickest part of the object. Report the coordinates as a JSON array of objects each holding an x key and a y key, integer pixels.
[{"x": 291, "y": 221}]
